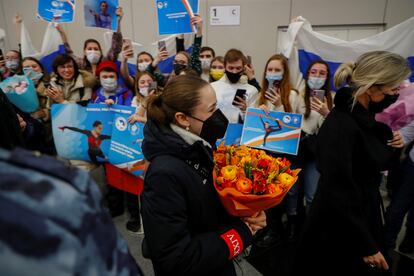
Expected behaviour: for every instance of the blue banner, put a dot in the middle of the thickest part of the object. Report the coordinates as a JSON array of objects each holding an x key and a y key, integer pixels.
[
  {"x": 101, "y": 14},
  {"x": 125, "y": 149},
  {"x": 276, "y": 131},
  {"x": 232, "y": 136},
  {"x": 56, "y": 10},
  {"x": 173, "y": 17}
]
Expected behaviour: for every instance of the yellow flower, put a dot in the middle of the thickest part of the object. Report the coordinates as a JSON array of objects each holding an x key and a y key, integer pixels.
[
  {"x": 286, "y": 179},
  {"x": 229, "y": 172}
]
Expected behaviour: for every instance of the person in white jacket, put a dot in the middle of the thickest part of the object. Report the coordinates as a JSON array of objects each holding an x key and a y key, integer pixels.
[
  {"x": 234, "y": 106},
  {"x": 277, "y": 94}
]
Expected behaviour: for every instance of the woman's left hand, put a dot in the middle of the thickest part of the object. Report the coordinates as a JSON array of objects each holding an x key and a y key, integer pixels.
[
  {"x": 397, "y": 141},
  {"x": 256, "y": 222},
  {"x": 320, "y": 107}
]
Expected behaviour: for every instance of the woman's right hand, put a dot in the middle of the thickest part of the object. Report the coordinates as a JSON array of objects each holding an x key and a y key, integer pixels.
[
  {"x": 273, "y": 96},
  {"x": 377, "y": 260},
  {"x": 265, "y": 108},
  {"x": 136, "y": 118},
  {"x": 162, "y": 55},
  {"x": 256, "y": 222}
]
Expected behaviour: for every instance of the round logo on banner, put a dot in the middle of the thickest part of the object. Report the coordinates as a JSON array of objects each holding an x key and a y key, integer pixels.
[
  {"x": 296, "y": 120},
  {"x": 287, "y": 119},
  {"x": 134, "y": 129},
  {"x": 121, "y": 124}
]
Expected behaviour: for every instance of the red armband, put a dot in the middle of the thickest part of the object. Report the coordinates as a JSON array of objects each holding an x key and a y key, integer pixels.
[{"x": 234, "y": 243}]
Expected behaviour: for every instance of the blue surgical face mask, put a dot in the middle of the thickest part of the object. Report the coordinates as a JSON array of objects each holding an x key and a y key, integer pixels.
[
  {"x": 109, "y": 84},
  {"x": 272, "y": 77},
  {"x": 12, "y": 64},
  {"x": 33, "y": 75},
  {"x": 316, "y": 83}
]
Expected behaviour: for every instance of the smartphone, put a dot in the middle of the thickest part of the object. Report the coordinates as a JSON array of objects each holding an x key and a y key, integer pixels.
[
  {"x": 249, "y": 59},
  {"x": 162, "y": 44},
  {"x": 153, "y": 86},
  {"x": 239, "y": 93},
  {"x": 127, "y": 43},
  {"x": 1, "y": 55},
  {"x": 319, "y": 94}
]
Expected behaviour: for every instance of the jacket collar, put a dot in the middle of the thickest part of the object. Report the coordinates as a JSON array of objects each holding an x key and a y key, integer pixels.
[{"x": 187, "y": 136}]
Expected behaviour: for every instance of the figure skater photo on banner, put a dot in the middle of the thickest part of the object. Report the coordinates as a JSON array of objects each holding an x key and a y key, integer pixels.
[
  {"x": 269, "y": 128},
  {"x": 274, "y": 131},
  {"x": 95, "y": 139},
  {"x": 101, "y": 14}
]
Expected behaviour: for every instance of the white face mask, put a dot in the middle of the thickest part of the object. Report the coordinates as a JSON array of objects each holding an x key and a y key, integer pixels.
[
  {"x": 144, "y": 91},
  {"x": 143, "y": 66},
  {"x": 109, "y": 84},
  {"x": 316, "y": 83},
  {"x": 93, "y": 56},
  {"x": 205, "y": 63}
]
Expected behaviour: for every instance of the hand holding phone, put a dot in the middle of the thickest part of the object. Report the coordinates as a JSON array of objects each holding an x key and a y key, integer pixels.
[
  {"x": 318, "y": 94},
  {"x": 239, "y": 93},
  {"x": 162, "y": 45}
]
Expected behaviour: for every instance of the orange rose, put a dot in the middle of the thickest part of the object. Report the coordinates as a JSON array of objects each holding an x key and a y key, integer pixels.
[
  {"x": 244, "y": 185},
  {"x": 229, "y": 172},
  {"x": 220, "y": 159},
  {"x": 274, "y": 189}
]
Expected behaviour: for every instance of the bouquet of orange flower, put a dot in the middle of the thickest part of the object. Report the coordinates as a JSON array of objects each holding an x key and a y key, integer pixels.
[{"x": 248, "y": 180}]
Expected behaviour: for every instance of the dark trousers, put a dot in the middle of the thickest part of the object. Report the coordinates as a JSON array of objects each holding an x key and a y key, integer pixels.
[
  {"x": 402, "y": 202},
  {"x": 115, "y": 198}
]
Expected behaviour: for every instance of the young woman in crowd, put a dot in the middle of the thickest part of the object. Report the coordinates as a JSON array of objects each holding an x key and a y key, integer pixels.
[
  {"x": 345, "y": 222},
  {"x": 217, "y": 70},
  {"x": 144, "y": 59},
  {"x": 143, "y": 89},
  {"x": 92, "y": 49},
  {"x": 12, "y": 64},
  {"x": 277, "y": 94},
  {"x": 187, "y": 230},
  {"x": 315, "y": 111}
]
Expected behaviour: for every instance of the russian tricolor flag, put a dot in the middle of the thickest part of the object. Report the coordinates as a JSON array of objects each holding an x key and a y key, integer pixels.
[
  {"x": 303, "y": 46},
  {"x": 52, "y": 46}
]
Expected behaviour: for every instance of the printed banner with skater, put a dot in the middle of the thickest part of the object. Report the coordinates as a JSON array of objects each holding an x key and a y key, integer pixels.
[
  {"x": 276, "y": 131},
  {"x": 101, "y": 14},
  {"x": 98, "y": 133}
]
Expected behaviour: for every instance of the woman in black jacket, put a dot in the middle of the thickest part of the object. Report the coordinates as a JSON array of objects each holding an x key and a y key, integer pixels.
[
  {"x": 187, "y": 231},
  {"x": 344, "y": 231}
]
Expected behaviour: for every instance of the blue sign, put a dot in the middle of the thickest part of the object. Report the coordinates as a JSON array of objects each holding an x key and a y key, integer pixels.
[
  {"x": 232, "y": 136},
  {"x": 125, "y": 149},
  {"x": 173, "y": 16},
  {"x": 276, "y": 131},
  {"x": 56, "y": 10},
  {"x": 101, "y": 14}
]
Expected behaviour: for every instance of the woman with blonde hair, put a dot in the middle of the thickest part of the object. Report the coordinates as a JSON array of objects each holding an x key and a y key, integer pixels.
[{"x": 344, "y": 222}]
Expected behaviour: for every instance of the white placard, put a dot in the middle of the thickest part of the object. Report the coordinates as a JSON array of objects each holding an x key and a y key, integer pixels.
[{"x": 224, "y": 15}]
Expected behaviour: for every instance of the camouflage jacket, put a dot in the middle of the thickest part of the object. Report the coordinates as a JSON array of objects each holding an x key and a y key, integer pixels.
[{"x": 52, "y": 221}]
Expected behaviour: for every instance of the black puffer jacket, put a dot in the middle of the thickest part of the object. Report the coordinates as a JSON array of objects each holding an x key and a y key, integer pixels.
[
  {"x": 187, "y": 231},
  {"x": 344, "y": 222}
]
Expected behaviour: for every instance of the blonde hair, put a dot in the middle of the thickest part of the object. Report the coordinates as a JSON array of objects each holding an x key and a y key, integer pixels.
[{"x": 380, "y": 68}]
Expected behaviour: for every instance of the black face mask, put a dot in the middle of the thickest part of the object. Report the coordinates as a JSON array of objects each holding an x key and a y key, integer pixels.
[
  {"x": 178, "y": 68},
  {"x": 214, "y": 127},
  {"x": 378, "y": 107},
  {"x": 233, "y": 77}
]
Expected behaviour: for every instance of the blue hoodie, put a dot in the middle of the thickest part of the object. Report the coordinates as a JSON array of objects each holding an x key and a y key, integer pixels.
[{"x": 122, "y": 96}]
